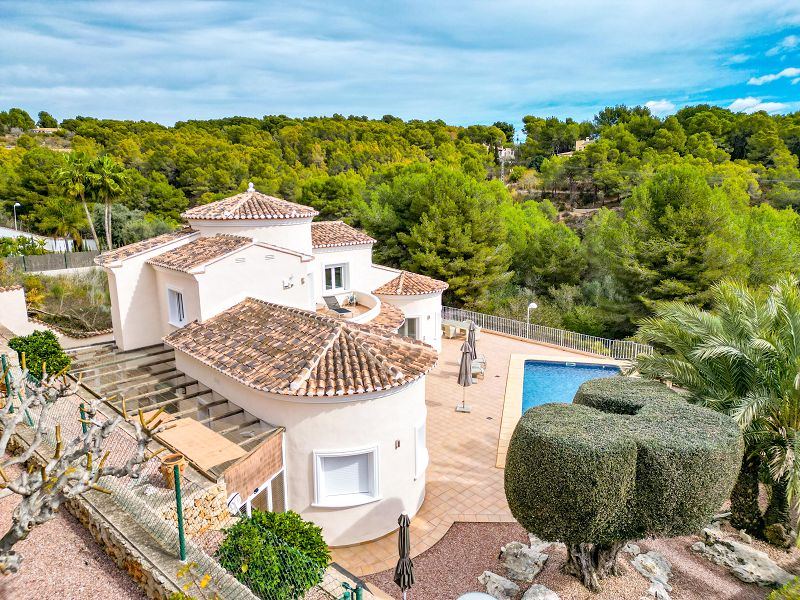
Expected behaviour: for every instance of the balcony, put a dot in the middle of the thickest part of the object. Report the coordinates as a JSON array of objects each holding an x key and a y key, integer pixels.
[{"x": 363, "y": 307}]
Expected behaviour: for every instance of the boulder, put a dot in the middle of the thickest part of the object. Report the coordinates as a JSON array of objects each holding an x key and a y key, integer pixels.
[
  {"x": 522, "y": 562},
  {"x": 539, "y": 592},
  {"x": 657, "y": 569},
  {"x": 743, "y": 561},
  {"x": 497, "y": 586},
  {"x": 631, "y": 548},
  {"x": 537, "y": 544}
]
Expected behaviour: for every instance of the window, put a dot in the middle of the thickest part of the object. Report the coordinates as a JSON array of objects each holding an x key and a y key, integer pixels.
[
  {"x": 421, "y": 451},
  {"x": 346, "y": 478},
  {"x": 410, "y": 328},
  {"x": 335, "y": 278},
  {"x": 177, "y": 315}
]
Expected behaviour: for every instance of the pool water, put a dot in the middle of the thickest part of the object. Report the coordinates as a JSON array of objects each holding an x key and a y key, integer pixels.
[{"x": 557, "y": 381}]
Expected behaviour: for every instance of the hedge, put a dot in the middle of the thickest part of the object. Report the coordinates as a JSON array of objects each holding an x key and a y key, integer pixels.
[
  {"x": 41, "y": 347},
  {"x": 628, "y": 459}
]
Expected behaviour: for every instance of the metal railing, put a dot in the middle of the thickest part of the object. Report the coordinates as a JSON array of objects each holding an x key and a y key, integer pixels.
[{"x": 618, "y": 349}]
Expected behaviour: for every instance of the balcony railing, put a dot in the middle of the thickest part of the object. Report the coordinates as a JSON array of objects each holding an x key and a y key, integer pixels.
[{"x": 618, "y": 349}]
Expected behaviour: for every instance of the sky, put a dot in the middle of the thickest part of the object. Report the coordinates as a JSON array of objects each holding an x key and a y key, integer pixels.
[{"x": 464, "y": 62}]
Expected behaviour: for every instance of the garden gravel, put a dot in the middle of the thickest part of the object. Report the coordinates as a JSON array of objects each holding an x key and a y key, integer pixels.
[{"x": 451, "y": 568}]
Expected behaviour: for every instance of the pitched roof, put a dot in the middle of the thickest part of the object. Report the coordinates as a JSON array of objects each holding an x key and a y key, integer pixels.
[
  {"x": 247, "y": 206},
  {"x": 284, "y": 350},
  {"x": 200, "y": 251},
  {"x": 9, "y": 288},
  {"x": 143, "y": 246},
  {"x": 411, "y": 284},
  {"x": 329, "y": 234},
  {"x": 390, "y": 317}
]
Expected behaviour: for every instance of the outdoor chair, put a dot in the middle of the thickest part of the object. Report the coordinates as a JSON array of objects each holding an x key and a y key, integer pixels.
[
  {"x": 333, "y": 304},
  {"x": 479, "y": 367}
]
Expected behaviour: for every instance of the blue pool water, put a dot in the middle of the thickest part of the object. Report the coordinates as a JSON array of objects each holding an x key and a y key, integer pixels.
[{"x": 557, "y": 382}]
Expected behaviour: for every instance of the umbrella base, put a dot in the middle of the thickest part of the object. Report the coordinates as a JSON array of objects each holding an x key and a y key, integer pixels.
[{"x": 465, "y": 408}]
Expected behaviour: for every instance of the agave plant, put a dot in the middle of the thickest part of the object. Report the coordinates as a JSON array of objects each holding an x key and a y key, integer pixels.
[{"x": 742, "y": 358}]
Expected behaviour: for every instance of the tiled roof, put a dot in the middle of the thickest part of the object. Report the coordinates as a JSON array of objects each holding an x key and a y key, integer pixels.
[
  {"x": 199, "y": 251},
  {"x": 411, "y": 284},
  {"x": 390, "y": 317},
  {"x": 250, "y": 205},
  {"x": 139, "y": 247},
  {"x": 10, "y": 288},
  {"x": 328, "y": 234},
  {"x": 296, "y": 352}
]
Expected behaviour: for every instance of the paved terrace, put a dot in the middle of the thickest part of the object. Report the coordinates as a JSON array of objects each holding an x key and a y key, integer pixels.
[{"x": 463, "y": 482}]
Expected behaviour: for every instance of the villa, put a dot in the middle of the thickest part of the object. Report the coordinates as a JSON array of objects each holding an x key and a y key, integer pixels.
[{"x": 291, "y": 323}]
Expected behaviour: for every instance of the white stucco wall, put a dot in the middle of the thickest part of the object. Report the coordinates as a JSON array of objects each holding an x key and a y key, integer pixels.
[
  {"x": 135, "y": 304},
  {"x": 359, "y": 264},
  {"x": 338, "y": 424},
  {"x": 14, "y": 312},
  {"x": 180, "y": 282},
  {"x": 294, "y": 234},
  {"x": 428, "y": 309}
]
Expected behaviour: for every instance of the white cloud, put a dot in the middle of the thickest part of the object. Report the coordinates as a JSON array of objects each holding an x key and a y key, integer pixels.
[
  {"x": 790, "y": 72},
  {"x": 660, "y": 107},
  {"x": 737, "y": 59},
  {"x": 788, "y": 43},
  {"x": 750, "y": 105}
]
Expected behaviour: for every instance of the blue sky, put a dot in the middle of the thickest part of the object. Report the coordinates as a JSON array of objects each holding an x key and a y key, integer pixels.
[{"x": 464, "y": 62}]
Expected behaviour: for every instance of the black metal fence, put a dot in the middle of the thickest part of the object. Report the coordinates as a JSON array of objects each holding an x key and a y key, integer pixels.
[{"x": 53, "y": 261}]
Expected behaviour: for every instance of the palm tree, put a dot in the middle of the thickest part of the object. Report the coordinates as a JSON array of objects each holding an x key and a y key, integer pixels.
[
  {"x": 107, "y": 185},
  {"x": 742, "y": 358},
  {"x": 75, "y": 178},
  {"x": 63, "y": 219}
]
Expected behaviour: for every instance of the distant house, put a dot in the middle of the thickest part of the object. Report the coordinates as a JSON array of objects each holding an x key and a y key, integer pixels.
[
  {"x": 43, "y": 130},
  {"x": 579, "y": 145},
  {"x": 293, "y": 323},
  {"x": 505, "y": 154}
]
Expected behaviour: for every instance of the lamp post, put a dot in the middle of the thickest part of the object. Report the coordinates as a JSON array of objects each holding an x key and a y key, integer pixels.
[
  {"x": 531, "y": 306},
  {"x": 16, "y": 206}
]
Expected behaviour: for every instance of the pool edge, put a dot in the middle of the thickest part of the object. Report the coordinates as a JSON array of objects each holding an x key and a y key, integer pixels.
[{"x": 512, "y": 401}]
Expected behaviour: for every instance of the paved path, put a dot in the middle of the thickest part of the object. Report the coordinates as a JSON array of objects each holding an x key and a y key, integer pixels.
[{"x": 463, "y": 483}]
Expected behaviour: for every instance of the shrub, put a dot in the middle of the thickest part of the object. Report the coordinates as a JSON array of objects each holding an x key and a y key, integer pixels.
[
  {"x": 628, "y": 459},
  {"x": 790, "y": 591},
  {"x": 275, "y": 554},
  {"x": 41, "y": 347}
]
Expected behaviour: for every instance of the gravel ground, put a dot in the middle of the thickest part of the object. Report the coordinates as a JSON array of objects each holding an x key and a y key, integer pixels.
[
  {"x": 452, "y": 566},
  {"x": 63, "y": 562}
]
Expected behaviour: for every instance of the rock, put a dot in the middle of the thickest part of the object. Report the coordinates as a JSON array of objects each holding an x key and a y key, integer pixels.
[
  {"x": 539, "y": 592},
  {"x": 631, "y": 549},
  {"x": 655, "y": 568},
  {"x": 744, "y": 537},
  {"x": 522, "y": 562},
  {"x": 537, "y": 544},
  {"x": 721, "y": 516},
  {"x": 497, "y": 586},
  {"x": 743, "y": 561}
]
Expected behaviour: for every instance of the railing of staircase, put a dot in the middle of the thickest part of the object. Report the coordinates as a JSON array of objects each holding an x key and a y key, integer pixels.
[{"x": 618, "y": 349}]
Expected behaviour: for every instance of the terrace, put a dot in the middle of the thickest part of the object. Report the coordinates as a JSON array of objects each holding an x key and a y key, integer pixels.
[{"x": 463, "y": 481}]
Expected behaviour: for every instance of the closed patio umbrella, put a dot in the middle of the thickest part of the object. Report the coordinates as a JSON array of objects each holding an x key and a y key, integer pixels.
[
  {"x": 404, "y": 571},
  {"x": 471, "y": 339},
  {"x": 465, "y": 375}
]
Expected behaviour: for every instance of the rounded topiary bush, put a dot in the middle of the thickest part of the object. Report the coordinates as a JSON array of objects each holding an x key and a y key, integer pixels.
[
  {"x": 628, "y": 459},
  {"x": 277, "y": 555},
  {"x": 41, "y": 348}
]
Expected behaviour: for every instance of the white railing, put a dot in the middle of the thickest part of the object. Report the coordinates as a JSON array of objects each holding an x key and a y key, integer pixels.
[{"x": 619, "y": 349}]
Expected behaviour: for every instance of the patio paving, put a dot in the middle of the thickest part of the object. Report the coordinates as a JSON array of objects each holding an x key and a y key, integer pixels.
[{"x": 463, "y": 483}]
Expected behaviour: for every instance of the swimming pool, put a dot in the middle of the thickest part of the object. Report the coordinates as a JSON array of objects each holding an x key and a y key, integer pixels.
[{"x": 545, "y": 382}]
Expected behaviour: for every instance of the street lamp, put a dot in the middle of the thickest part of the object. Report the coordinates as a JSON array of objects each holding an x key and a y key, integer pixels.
[
  {"x": 531, "y": 306},
  {"x": 16, "y": 206}
]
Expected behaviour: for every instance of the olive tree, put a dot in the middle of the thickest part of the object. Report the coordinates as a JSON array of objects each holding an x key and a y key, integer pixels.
[{"x": 627, "y": 459}]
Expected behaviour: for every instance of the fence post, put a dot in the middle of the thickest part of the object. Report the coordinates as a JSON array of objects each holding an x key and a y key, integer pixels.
[
  {"x": 6, "y": 370},
  {"x": 181, "y": 537},
  {"x": 84, "y": 427}
]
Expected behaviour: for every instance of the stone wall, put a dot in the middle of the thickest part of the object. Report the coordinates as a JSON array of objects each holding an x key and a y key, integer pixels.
[{"x": 205, "y": 511}]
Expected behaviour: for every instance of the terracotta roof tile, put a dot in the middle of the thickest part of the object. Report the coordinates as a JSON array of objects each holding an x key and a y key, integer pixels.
[
  {"x": 249, "y": 205},
  {"x": 10, "y": 288},
  {"x": 411, "y": 284},
  {"x": 329, "y": 234},
  {"x": 296, "y": 352},
  {"x": 200, "y": 251},
  {"x": 390, "y": 317},
  {"x": 143, "y": 246}
]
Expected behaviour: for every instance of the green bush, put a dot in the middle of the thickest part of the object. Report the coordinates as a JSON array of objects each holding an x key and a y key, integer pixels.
[
  {"x": 277, "y": 555},
  {"x": 790, "y": 591},
  {"x": 628, "y": 459},
  {"x": 41, "y": 347}
]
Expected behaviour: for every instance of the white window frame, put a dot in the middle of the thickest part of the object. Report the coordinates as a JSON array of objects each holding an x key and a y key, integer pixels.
[
  {"x": 421, "y": 457},
  {"x": 345, "y": 500},
  {"x": 345, "y": 267},
  {"x": 403, "y": 329},
  {"x": 171, "y": 316}
]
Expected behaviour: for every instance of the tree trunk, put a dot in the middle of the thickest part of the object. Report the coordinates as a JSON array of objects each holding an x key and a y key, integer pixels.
[
  {"x": 108, "y": 225},
  {"x": 745, "y": 512},
  {"x": 592, "y": 562},
  {"x": 777, "y": 521},
  {"x": 91, "y": 223}
]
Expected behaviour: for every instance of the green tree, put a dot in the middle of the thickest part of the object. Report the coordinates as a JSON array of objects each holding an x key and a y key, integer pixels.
[
  {"x": 107, "y": 184},
  {"x": 76, "y": 179},
  {"x": 62, "y": 218},
  {"x": 46, "y": 120}
]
